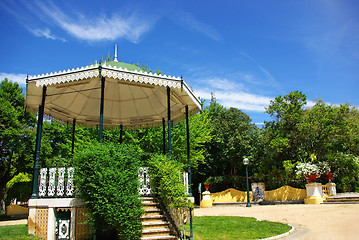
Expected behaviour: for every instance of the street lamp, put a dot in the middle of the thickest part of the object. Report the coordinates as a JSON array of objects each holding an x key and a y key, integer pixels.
[{"x": 245, "y": 163}]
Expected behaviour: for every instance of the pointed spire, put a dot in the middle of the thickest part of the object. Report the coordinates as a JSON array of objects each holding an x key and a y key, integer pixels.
[{"x": 115, "y": 53}]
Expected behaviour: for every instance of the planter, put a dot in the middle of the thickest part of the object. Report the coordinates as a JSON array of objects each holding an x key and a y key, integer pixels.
[
  {"x": 314, "y": 193},
  {"x": 206, "y": 186}
]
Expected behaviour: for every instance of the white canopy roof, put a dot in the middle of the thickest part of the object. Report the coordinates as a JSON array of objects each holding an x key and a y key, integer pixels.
[{"x": 132, "y": 98}]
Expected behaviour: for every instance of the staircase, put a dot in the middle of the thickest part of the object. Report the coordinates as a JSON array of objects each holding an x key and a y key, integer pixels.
[
  {"x": 155, "y": 224},
  {"x": 342, "y": 199}
]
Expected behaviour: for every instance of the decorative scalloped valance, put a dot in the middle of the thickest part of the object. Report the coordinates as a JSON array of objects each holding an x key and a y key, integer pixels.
[{"x": 133, "y": 99}]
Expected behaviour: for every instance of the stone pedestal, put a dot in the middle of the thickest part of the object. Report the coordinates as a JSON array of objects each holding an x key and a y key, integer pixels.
[
  {"x": 206, "y": 199},
  {"x": 332, "y": 188},
  {"x": 314, "y": 193},
  {"x": 42, "y": 217}
]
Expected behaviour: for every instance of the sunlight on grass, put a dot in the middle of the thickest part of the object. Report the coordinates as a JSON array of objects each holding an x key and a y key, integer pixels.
[
  {"x": 211, "y": 228},
  {"x": 16, "y": 232}
]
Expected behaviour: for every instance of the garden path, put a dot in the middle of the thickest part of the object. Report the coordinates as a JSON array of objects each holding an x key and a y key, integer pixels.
[{"x": 325, "y": 221}]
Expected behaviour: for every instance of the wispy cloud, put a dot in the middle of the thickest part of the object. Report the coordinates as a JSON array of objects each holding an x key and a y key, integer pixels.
[
  {"x": 187, "y": 19},
  {"x": 104, "y": 28},
  {"x": 20, "y": 78},
  {"x": 231, "y": 94},
  {"x": 43, "y": 18},
  {"x": 45, "y": 32}
]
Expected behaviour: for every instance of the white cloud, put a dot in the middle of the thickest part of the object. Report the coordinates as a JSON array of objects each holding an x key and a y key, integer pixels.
[
  {"x": 44, "y": 33},
  {"x": 222, "y": 83},
  {"x": 102, "y": 28},
  {"x": 187, "y": 19},
  {"x": 44, "y": 18},
  {"x": 20, "y": 78},
  {"x": 237, "y": 99}
]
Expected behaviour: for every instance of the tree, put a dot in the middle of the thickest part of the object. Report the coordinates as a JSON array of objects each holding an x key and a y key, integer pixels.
[
  {"x": 234, "y": 137},
  {"x": 323, "y": 133},
  {"x": 16, "y": 135},
  {"x": 282, "y": 134}
]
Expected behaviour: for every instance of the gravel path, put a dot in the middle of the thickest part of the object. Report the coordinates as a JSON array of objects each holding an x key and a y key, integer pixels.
[{"x": 325, "y": 221}]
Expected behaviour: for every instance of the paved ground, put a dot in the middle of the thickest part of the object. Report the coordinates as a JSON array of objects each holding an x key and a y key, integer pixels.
[
  {"x": 13, "y": 222},
  {"x": 329, "y": 221}
]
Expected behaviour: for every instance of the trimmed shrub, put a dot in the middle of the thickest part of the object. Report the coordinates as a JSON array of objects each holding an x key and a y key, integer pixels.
[
  {"x": 107, "y": 178},
  {"x": 167, "y": 180}
]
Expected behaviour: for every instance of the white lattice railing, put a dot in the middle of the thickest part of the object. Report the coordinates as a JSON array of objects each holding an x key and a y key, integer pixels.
[
  {"x": 54, "y": 183},
  {"x": 145, "y": 182},
  {"x": 58, "y": 182}
]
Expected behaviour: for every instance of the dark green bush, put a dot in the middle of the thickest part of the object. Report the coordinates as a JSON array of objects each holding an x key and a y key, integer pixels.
[
  {"x": 167, "y": 180},
  {"x": 107, "y": 178}
]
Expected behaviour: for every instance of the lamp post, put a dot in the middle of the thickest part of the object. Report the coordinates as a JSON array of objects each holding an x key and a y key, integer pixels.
[{"x": 245, "y": 163}]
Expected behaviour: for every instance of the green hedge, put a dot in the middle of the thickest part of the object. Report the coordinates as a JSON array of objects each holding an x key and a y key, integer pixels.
[
  {"x": 107, "y": 177},
  {"x": 167, "y": 181}
]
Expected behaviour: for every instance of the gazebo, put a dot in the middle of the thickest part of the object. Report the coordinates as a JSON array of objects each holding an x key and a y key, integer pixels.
[{"x": 103, "y": 95}]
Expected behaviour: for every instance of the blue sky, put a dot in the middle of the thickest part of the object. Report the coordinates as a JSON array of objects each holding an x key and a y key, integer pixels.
[{"x": 245, "y": 52}]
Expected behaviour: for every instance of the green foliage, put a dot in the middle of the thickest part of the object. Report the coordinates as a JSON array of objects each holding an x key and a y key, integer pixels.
[
  {"x": 16, "y": 135},
  {"x": 106, "y": 175},
  {"x": 19, "y": 187},
  {"x": 167, "y": 180},
  {"x": 234, "y": 137},
  {"x": 345, "y": 169},
  {"x": 323, "y": 133}
]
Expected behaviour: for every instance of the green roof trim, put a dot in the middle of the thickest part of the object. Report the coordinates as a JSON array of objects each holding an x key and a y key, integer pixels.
[{"x": 123, "y": 65}]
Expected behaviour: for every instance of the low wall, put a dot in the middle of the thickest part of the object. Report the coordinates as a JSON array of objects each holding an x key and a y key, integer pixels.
[
  {"x": 285, "y": 193},
  {"x": 16, "y": 210}
]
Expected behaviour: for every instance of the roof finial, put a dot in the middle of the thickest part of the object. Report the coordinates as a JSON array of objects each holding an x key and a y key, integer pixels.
[{"x": 115, "y": 53}]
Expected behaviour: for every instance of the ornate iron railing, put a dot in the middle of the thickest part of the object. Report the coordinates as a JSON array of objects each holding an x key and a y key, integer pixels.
[{"x": 56, "y": 182}]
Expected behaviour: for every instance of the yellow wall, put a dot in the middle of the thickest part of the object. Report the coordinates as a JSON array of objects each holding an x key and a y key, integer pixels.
[
  {"x": 230, "y": 195},
  {"x": 284, "y": 193},
  {"x": 16, "y": 210}
]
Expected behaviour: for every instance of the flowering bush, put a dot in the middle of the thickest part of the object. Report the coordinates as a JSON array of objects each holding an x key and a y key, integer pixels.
[{"x": 307, "y": 169}]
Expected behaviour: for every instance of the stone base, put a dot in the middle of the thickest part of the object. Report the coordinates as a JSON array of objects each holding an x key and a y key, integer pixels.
[
  {"x": 206, "y": 199},
  {"x": 206, "y": 203},
  {"x": 43, "y": 212},
  {"x": 313, "y": 200}
]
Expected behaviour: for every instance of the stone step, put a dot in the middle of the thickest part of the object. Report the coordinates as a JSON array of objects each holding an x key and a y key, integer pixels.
[
  {"x": 344, "y": 199},
  {"x": 149, "y": 204},
  {"x": 152, "y": 211},
  {"x": 155, "y": 232},
  {"x": 159, "y": 238},
  {"x": 155, "y": 224},
  {"x": 149, "y": 218}
]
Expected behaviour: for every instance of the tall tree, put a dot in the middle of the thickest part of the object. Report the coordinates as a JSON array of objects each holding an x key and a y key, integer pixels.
[
  {"x": 234, "y": 137},
  {"x": 282, "y": 134},
  {"x": 16, "y": 135}
]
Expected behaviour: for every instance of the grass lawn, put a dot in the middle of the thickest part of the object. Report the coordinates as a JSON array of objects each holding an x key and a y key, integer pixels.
[
  {"x": 229, "y": 228},
  {"x": 15, "y": 232}
]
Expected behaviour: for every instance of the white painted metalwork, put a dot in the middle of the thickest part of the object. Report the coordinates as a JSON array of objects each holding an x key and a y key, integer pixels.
[
  {"x": 185, "y": 182},
  {"x": 145, "y": 182},
  {"x": 42, "y": 187},
  {"x": 70, "y": 185},
  {"x": 52, "y": 188},
  {"x": 64, "y": 229},
  {"x": 61, "y": 182}
]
